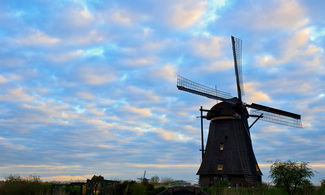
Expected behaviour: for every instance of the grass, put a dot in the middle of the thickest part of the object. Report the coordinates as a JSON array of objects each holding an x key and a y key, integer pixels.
[{"x": 15, "y": 185}]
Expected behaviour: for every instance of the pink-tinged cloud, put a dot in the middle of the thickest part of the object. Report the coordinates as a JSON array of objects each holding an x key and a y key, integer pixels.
[
  {"x": 37, "y": 37},
  {"x": 184, "y": 14}
]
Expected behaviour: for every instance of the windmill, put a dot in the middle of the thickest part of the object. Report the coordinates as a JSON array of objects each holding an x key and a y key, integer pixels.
[{"x": 228, "y": 154}]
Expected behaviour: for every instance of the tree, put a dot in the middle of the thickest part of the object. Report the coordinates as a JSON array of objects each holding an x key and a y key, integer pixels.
[
  {"x": 322, "y": 183},
  {"x": 154, "y": 180},
  {"x": 290, "y": 175}
]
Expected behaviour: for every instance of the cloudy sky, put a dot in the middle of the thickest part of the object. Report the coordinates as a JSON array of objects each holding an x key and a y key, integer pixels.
[{"x": 89, "y": 87}]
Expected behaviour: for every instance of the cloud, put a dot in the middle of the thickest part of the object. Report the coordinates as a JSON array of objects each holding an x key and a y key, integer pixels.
[
  {"x": 140, "y": 61},
  {"x": 37, "y": 37},
  {"x": 6, "y": 143},
  {"x": 166, "y": 165},
  {"x": 92, "y": 108},
  {"x": 140, "y": 95},
  {"x": 172, "y": 136},
  {"x": 121, "y": 17},
  {"x": 295, "y": 48},
  {"x": 88, "y": 38},
  {"x": 76, "y": 16},
  {"x": 16, "y": 94},
  {"x": 253, "y": 94},
  {"x": 65, "y": 56},
  {"x": 166, "y": 72},
  {"x": 185, "y": 14},
  {"x": 96, "y": 75},
  {"x": 85, "y": 95},
  {"x": 2, "y": 79},
  {"x": 300, "y": 139},
  {"x": 275, "y": 14},
  {"x": 105, "y": 146},
  {"x": 209, "y": 47},
  {"x": 137, "y": 112},
  {"x": 217, "y": 66},
  {"x": 68, "y": 177}
]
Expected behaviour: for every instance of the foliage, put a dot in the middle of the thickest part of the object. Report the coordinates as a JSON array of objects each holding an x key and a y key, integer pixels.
[
  {"x": 154, "y": 180},
  {"x": 321, "y": 190},
  {"x": 165, "y": 181},
  {"x": 217, "y": 188},
  {"x": 132, "y": 187},
  {"x": 257, "y": 190},
  {"x": 322, "y": 183},
  {"x": 291, "y": 175},
  {"x": 29, "y": 185}
]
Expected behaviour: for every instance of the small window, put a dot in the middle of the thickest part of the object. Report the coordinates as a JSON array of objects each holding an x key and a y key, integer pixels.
[
  {"x": 221, "y": 147},
  {"x": 220, "y": 167},
  {"x": 257, "y": 169}
]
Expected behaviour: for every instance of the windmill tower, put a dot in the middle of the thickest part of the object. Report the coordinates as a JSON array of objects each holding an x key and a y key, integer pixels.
[{"x": 228, "y": 154}]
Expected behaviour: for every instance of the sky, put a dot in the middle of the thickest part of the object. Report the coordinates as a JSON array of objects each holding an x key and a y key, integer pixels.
[{"x": 89, "y": 87}]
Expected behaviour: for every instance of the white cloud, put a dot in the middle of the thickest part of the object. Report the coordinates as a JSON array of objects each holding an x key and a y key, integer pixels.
[
  {"x": 300, "y": 139},
  {"x": 92, "y": 108},
  {"x": 166, "y": 72},
  {"x": 254, "y": 94},
  {"x": 91, "y": 37},
  {"x": 172, "y": 136},
  {"x": 6, "y": 143},
  {"x": 105, "y": 146},
  {"x": 209, "y": 47},
  {"x": 85, "y": 95},
  {"x": 217, "y": 66},
  {"x": 140, "y": 61},
  {"x": 65, "y": 56},
  {"x": 185, "y": 13},
  {"x": 274, "y": 130},
  {"x": 137, "y": 112},
  {"x": 297, "y": 48},
  {"x": 16, "y": 94},
  {"x": 67, "y": 177},
  {"x": 121, "y": 17},
  {"x": 37, "y": 38},
  {"x": 167, "y": 165},
  {"x": 140, "y": 94},
  {"x": 78, "y": 16},
  {"x": 2, "y": 79},
  {"x": 275, "y": 14},
  {"x": 96, "y": 75}
]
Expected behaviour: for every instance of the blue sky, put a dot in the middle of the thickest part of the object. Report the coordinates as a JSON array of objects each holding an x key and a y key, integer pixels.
[{"x": 89, "y": 87}]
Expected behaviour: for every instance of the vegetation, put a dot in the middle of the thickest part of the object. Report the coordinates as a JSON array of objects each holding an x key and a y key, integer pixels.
[
  {"x": 33, "y": 185},
  {"x": 16, "y": 185},
  {"x": 292, "y": 176}
]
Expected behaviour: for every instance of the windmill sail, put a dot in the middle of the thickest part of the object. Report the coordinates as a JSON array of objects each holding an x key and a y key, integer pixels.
[
  {"x": 199, "y": 89},
  {"x": 229, "y": 153},
  {"x": 275, "y": 115},
  {"x": 237, "y": 52}
]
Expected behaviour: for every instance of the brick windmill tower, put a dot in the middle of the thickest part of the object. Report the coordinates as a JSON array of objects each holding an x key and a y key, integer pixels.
[{"x": 229, "y": 154}]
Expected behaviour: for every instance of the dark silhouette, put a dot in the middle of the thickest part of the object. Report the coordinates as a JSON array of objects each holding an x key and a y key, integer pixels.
[{"x": 229, "y": 153}]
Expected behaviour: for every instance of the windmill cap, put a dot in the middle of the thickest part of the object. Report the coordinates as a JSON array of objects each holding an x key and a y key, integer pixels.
[{"x": 225, "y": 109}]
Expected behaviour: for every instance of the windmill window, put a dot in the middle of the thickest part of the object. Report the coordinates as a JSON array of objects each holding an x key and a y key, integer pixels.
[
  {"x": 220, "y": 167},
  {"x": 221, "y": 147},
  {"x": 257, "y": 169}
]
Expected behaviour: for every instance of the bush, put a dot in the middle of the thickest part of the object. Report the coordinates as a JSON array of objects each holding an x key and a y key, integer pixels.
[{"x": 30, "y": 185}]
